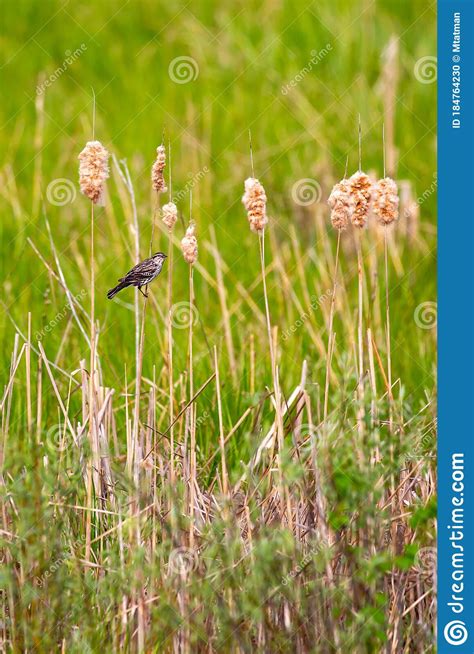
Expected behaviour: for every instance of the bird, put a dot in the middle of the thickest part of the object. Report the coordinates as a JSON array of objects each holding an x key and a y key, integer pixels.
[{"x": 140, "y": 275}]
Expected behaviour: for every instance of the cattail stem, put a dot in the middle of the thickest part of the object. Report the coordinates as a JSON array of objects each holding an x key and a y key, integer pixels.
[
  {"x": 387, "y": 317},
  {"x": 330, "y": 336},
  {"x": 276, "y": 387},
  {"x": 225, "y": 484},
  {"x": 138, "y": 380},
  {"x": 360, "y": 385},
  {"x": 170, "y": 351},
  {"x": 261, "y": 241},
  {"x": 91, "y": 390},
  {"x": 191, "y": 410}
]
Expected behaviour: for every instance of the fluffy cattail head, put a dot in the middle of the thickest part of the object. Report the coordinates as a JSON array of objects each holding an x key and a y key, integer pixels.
[
  {"x": 361, "y": 191},
  {"x": 93, "y": 171},
  {"x": 342, "y": 205},
  {"x": 189, "y": 245},
  {"x": 386, "y": 201},
  {"x": 157, "y": 179},
  {"x": 255, "y": 203},
  {"x": 170, "y": 214}
]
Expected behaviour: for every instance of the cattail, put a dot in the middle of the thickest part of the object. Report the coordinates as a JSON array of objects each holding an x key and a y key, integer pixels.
[
  {"x": 170, "y": 214},
  {"x": 93, "y": 171},
  {"x": 361, "y": 191},
  {"x": 386, "y": 201},
  {"x": 189, "y": 245},
  {"x": 158, "y": 181},
  {"x": 255, "y": 201},
  {"x": 342, "y": 205}
]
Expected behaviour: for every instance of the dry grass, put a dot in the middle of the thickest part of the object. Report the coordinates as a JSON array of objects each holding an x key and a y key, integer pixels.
[{"x": 337, "y": 497}]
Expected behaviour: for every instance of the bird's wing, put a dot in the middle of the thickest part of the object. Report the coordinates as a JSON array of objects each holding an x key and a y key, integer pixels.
[{"x": 141, "y": 271}]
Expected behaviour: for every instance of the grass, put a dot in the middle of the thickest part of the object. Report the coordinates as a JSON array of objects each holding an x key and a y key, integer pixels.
[{"x": 296, "y": 526}]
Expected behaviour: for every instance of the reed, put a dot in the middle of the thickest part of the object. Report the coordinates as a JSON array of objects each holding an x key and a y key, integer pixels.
[
  {"x": 93, "y": 172},
  {"x": 386, "y": 203},
  {"x": 189, "y": 248},
  {"x": 341, "y": 203}
]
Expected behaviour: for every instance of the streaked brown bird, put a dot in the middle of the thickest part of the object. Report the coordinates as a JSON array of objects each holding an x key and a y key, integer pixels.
[{"x": 140, "y": 275}]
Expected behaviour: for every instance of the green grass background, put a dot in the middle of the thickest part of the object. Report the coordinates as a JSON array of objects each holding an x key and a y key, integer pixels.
[{"x": 245, "y": 53}]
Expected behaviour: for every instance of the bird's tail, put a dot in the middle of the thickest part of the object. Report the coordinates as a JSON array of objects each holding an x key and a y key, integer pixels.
[{"x": 116, "y": 289}]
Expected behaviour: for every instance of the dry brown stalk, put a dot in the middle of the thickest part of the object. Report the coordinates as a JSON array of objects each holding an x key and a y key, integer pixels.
[
  {"x": 225, "y": 481},
  {"x": 189, "y": 249}
]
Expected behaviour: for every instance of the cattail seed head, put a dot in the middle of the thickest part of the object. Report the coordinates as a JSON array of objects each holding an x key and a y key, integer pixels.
[
  {"x": 157, "y": 179},
  {"x": 386, "y": 201},
  {"x": 170, "y": 214},
  {"x": 361, "y": 191},
  {"x": 93, "y": 171},
  {"x": 342, "y": 205},
  {"x": 189, "y": 245},
  {"x": 255, "y": 202}
]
